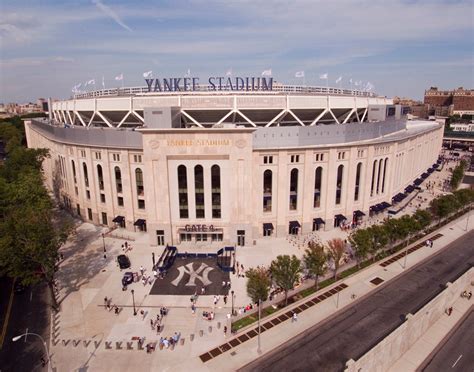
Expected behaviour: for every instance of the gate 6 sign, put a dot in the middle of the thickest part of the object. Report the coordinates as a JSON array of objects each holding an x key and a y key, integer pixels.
[{"x": 201, "y": 274}]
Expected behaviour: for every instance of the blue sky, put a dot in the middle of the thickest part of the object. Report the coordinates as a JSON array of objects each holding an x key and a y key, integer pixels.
[{"x": 400, "y": 46}]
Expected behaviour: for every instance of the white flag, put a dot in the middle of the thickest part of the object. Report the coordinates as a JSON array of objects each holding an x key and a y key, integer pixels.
[
  {"x": 369, "y": 86},
  {"x": 338, "y": 80},
  {"x": 147, "y": 74},
  {"x": 323, "y": 76},
  {"x": 229, "y": 72},
  {"x": 350, "y": 80},
  {"x": 103, "y": 82},
  {"x": 267, "y": 72},
  {"x": 90, "y": 82},
  {"x": 119, "y": 77},
  {"x": 357, "y": 83},
  {"x": 188, "y": 73},
  {"x": 299, "y": 74}
]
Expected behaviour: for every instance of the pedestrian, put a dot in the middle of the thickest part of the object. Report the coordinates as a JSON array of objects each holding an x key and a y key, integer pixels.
[
  {"x": 228, "y": 284},
  {"x": 223, "y": 283},
  {"x": 106, "y": 301},
  {"x": 225, "y": 299},
  {"x": 203, "y": 290},
  {"x": 193, "y": 309},
  {"x": 218, "y": 298},
  {"x": 225, "y": 330},
  {"x": 152, "y": 324},
  {"x": 155, "y": 274},
  {"x": 142, "y": 270},
  {"x": 158, "y": 317},
  {"x": 61, "y": 256},
  {"x": 215, "y": 300},
  {"x": 105, "y": 256},
  {"x": 294, "y": 318}
]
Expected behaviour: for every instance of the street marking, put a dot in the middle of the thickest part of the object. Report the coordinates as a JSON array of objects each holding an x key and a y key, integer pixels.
[
  {"x": 7, "y": 316},
  {"x": 457, "y": 360}
]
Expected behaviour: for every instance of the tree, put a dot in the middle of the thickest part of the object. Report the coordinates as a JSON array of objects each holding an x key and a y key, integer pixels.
[
  {"x": 464, "y": 196},
  {"x": 315, "y": 260},
  {"x": 286, "y": 271},
  {"x": 258, "y": 284},
  {"x": 444, "y": 205},
  {"x": 378, "y": 239},
  {"x": 361, "y": 242},
  {"x": 30, "y": 235},
  {"x": 423, "y": 218},
  {"x": 336, "y": 249}
]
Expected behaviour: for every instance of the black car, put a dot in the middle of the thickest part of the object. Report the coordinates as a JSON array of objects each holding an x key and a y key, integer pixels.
[
  {"x": 127, "y": 278},
  {"x": 123, "y": 261}
]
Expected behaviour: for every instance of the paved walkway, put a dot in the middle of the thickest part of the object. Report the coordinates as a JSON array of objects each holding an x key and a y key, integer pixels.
[{"x": 83, "y": 327}]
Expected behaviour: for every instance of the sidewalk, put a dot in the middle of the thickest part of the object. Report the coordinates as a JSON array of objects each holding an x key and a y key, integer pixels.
[
  {"x": 358, "y": 284},
  {"x": 427, "y": 343}
]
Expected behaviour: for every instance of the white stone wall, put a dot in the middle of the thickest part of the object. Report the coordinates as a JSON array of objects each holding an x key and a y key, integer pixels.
[{"x": 242, "y": 170}]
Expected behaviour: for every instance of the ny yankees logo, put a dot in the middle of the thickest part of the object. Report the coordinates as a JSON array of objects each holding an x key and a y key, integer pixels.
[{"x": 193, "y": 274}]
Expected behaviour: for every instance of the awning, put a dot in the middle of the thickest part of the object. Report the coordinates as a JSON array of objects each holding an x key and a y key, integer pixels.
[
  {"x": 425, "y": 175},
  {"x": 268, "y": 226},
  {"x": 318, "y": 221},
  {"x": 359, "y": 213},
  {"x": 118, "y": 219},
  {"x": 430, "y": 170},
  {"x": 409, "y": 188},
  {"x": 294, "y": 224},
  {"x": 340, "y": 217},
  {"x": 436, "y": 165},
  {"x": 418, "y": 182},
  {"x": 385, "y": 205},
  {"x": 140, "y": 222}
]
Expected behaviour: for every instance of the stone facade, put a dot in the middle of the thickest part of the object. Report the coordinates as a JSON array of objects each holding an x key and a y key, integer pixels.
[{"x": 84, "y": 177}]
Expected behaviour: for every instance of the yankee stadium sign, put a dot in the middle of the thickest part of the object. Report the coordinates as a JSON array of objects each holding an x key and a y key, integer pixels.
[{"x": 215, "y": 83}]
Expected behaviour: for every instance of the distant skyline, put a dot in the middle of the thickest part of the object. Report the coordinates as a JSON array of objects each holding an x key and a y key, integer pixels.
[{"x": 401, "y": 47}]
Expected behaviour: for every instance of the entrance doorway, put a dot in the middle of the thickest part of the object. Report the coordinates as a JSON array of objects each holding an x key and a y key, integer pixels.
[{"x": 241, "y": 237}]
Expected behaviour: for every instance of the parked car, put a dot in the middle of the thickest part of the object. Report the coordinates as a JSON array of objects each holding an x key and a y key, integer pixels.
[
  {"x": 127, "y": 278},
  {"x": 123, "y": 261}
]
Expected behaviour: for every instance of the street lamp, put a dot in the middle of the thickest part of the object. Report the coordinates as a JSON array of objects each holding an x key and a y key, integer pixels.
[
  {"x": 406, "y": 253},
  {"x": 133, "y": 299},
  {"x": 259, "y": 349},
  {"x": 232, "y": 296},
  {"x": 103, "y": 241},
  {"x": 153, "y": 259},
  {"x": 16, "y": 338}
]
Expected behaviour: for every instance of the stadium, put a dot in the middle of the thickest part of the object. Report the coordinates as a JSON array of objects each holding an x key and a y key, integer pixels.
[{"x": 204, "y": 165}]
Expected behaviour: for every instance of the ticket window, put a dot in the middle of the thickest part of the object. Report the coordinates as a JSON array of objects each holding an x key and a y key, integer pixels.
[
  {"x": 183, "y": 237},
  {"x": 160, "y": 237}
]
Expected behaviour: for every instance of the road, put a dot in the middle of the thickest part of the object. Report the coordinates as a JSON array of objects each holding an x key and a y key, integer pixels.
[
  {"x": 29, "y": 310},
  {"x": 357, "y": 329},
  {"x": 456, "y": 354}
]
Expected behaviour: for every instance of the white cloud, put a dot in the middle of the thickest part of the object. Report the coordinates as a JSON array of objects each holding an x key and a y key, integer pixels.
[{"x": 111, "y": 13}]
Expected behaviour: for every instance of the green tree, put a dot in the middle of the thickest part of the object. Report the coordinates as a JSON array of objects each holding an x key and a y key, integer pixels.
[
  {"x": 30, "y": 235},
  {"x": 315, "y": 260},
  {"x": 336, "y": 248},
  {"x": 378, "y": 239},
  {"x": 444, "y": 205},
  {"x": 258, "y": 284},
  {"x": 360, "y": 240},
  {"x": 286, "y": 271},
  {"x": 464, "y": 196},
  {"x": 423, "y": 218}
]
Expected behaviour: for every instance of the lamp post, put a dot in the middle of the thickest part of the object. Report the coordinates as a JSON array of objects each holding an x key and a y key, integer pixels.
[
  {"x": 232, "y": 297},
  {"x": 406, "y": 253},
  {"x": 259, "y": 349},
  {"x": 16, "y": 338},
  {"x": 103, "y": 241},
  {"x": 153, "y": 259},
  {"x": 133, "y": 299}
]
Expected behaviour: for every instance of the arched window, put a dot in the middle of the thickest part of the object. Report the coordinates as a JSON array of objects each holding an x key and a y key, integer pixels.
[
  {"x": 86, "y": 176},
  {"x": 74, "y": 171},
  {"x": 294, "y": 189},
  {"x": 379, "y": 173},
  {"x": 340, "y": 171},
  {"x": 183, "y": 192},
  {"x": 318, "y": 177},
  {"x": 139, "y": 181},
  {"x": 357, "y": 182},
  {"x": 267, "y": 190},
  {"x": 100, "y": 177},
  {"x": 199, "y": 191},
  {"x": 216, "y": 191},
  {"x": 118, "y": 179},
  {"x": 384, "y": 172},
  {"x": 374, "y": 167}
]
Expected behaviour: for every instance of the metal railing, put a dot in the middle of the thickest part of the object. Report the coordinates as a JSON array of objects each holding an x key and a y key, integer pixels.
[{"x": 206, "y": 89}]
